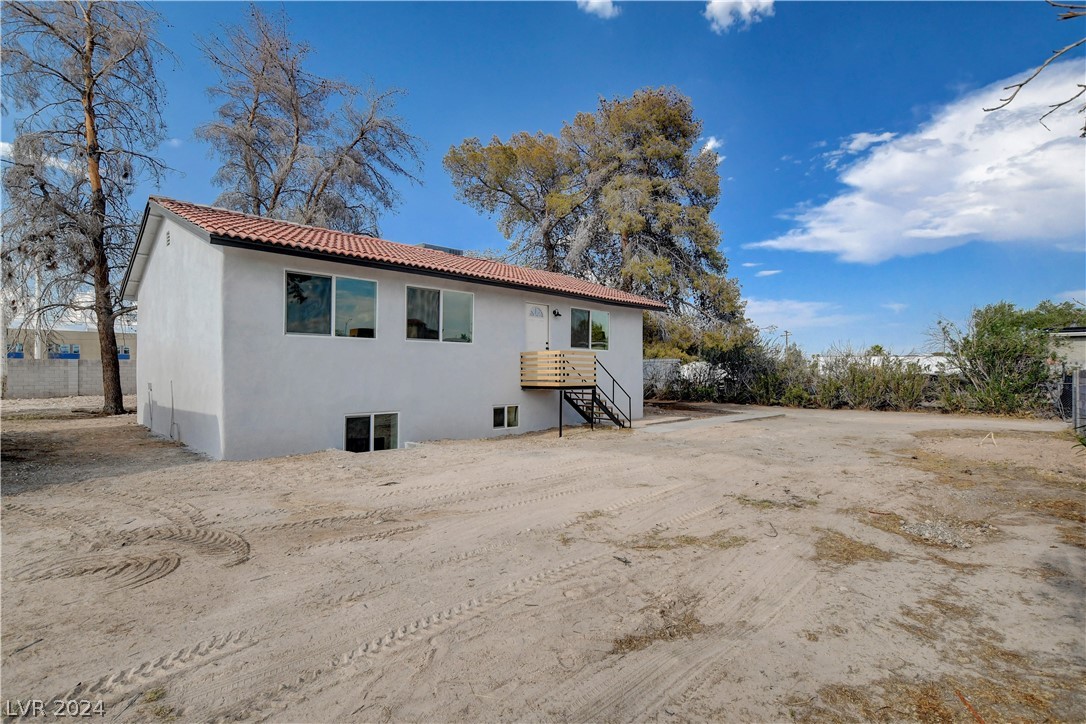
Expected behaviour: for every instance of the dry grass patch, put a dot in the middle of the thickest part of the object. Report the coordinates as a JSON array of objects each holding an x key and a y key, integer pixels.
[
  {"x": 834, "y": 547},
  {"x": 1073, "y": 510},
  {"x": 794, "y": 502},
  {"x": 1072, "y": 535},
  {"x": 969, "y": 471},
  {"x": 668, "y": 621},
  {"x": 925, "y": 621},
  {"x": 969, "y": 568},
  {"x": 720, "y": 540}
]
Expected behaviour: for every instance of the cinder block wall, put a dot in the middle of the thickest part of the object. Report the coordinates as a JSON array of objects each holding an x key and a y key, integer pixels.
[{"x": 31, "y": 378}]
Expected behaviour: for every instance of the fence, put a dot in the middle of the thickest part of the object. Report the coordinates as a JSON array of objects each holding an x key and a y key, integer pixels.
[
  {"x": 27, "y": 378},
  {"x": 1078, "y": 400},
  {"x": 659, "y": 375}
]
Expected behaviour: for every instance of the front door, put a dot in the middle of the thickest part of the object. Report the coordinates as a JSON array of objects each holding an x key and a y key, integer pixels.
[{"x": 537, "y": 329}]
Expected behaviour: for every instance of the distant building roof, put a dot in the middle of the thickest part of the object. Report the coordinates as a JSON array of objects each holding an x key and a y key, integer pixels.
[{"x": 254, "y": 232}]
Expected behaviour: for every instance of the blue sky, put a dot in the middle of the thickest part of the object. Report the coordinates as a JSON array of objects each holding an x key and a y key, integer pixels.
[{"x": 865, "y": 194}]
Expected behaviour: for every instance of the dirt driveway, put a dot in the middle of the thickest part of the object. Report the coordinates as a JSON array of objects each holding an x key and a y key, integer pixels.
[{"x": 815, "y": 566}]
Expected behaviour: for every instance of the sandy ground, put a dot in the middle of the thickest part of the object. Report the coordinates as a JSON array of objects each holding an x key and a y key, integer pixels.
[{"x": 816, "y": 566}]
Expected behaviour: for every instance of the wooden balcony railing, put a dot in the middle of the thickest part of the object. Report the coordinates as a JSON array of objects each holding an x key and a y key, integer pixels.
[{"x": 557, "y": 368}]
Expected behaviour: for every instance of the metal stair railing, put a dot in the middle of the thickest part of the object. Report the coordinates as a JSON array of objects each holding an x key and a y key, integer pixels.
[{"x": 615, "y": 389}]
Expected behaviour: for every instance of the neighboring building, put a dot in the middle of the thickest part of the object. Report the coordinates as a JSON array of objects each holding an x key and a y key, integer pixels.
[
  {"x": 262, "y": 338},
  {"x": 1071, "y": 346},
  {"x": 69, "y": 342}
]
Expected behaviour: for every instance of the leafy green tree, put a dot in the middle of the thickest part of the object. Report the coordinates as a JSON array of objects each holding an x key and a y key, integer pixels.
[
  {"x": 1006, "y": 355},
  {"x": 531, "y": 183},
  {"x": 621, "y": 196}
]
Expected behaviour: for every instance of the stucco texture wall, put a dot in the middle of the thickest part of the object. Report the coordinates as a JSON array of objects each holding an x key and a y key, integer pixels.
[
  {"x": 286, "y": 393},
  {"x": 179, "y": 370}
]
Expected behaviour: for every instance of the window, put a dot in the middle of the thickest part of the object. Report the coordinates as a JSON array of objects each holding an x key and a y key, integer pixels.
[
  {"x": 309, "y": 304},
  {"x": 423, "y": 313},
  {"x": 440, "y": 314},
  {"x": 356, "y": 308},
  {"x": 364, "y": 433},
  {"x": 15, "y": 350},
  {"x": 506, "y": 416},
  {"x": 311, "y": 300},
  {"x": 589, "y": 330},
  {"x": 456, "y": 314}
]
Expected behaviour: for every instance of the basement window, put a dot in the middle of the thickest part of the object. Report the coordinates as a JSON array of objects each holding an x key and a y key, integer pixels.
[
  {"x": 365, "y": 433},
  {"x": 506, "y": 416}
]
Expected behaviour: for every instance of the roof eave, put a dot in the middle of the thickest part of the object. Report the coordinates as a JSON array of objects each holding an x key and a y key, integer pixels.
[{"x": 409, "y": 269}]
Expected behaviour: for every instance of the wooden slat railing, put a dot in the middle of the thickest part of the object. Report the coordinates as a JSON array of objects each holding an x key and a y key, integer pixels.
[{"x": 556, "y": 368}]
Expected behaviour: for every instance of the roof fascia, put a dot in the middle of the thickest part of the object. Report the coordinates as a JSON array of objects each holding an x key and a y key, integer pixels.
[{"x": 404, "y": 269}]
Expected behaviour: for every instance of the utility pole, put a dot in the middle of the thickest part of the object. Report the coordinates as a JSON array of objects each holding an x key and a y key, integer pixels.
[{"x": 786, "y": 334}]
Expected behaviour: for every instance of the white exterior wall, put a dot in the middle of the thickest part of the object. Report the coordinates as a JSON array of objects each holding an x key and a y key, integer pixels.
[
  {"x": 285, "y": 394},
  {"x": 179, "y": 374}
]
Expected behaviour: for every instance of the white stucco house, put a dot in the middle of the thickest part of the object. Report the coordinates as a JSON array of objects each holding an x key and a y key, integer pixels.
[{"x": 261, "y": 338}]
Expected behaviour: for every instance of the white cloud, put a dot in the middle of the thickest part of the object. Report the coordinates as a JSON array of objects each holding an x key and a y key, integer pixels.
[
  {"x": 605, "y": 9},
  {"x": 855, "y": 144},
  {"x": 895, "y": 307},
  {"x": 711, "y": 146},
  {"x": 768, "y": 272},
  {"x": 7, "y": 150},
  {"x": 859, "y": 142},
  {"x": 723, "y": 14},
  {"x": 1074, "y": 295},
  {"x": 174, "y": 143},
  {"x": 963, "y": 176},
  {"x": 751, "y": 264},
  {"x": 792, "y": 314}
]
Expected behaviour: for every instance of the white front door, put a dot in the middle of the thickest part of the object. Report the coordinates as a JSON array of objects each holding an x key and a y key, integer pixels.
[{"x": 537, "y": 327}]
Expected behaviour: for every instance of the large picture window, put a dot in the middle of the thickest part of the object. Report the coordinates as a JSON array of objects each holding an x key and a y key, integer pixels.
[
  {"x": 440, "y": 314},
  {"x": 364, "y": 433},
  {"x": 341, "y": 306},
  {"x": 589, "y": 329}
]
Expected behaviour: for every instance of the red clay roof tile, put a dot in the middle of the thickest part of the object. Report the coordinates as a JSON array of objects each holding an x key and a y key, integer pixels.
[{"x": 274, "y": 233}]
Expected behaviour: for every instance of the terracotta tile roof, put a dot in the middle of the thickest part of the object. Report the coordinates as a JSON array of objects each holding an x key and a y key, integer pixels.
[{"x": 274, "y": 233}]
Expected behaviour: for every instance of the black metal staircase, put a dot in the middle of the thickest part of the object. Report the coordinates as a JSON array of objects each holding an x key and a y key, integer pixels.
[{"x": 595, "y": 405}]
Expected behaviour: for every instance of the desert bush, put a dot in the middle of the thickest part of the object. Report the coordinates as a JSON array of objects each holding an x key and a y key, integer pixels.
[{"x": 1005, "y": 356}]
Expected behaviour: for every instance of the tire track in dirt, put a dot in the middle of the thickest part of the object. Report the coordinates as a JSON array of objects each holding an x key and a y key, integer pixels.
[
  {"x": 266, "y": 693},
  {"x": 377, "y": 535},
  {"x": 179, "y": 513},
  {"x": 648, "y": 676},
  {"x": 331, "y": 521},
  {"x": 76, "y": 522},
  {"x": 125, "y": 571},
  {"x": 582, "y": 475},
  {"x": 614, "y": 508},
  {"x": 211, "y": 541},
  {"x": 117, "y": 686}
]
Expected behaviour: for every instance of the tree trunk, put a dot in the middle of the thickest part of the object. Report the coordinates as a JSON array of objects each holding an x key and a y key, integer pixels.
[
  {"x": 113, "y": 403},
  {"x": 107, "y": 337}
]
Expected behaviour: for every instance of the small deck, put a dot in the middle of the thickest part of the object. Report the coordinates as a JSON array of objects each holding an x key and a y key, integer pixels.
[{"x": 557, "y": 369}]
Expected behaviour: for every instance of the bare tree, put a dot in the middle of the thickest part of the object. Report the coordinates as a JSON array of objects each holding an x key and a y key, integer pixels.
[
  {"x": 85, "y": 74},
  {"x": 297, "y": 146},
  {"x": 1073, "y": 10}
]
